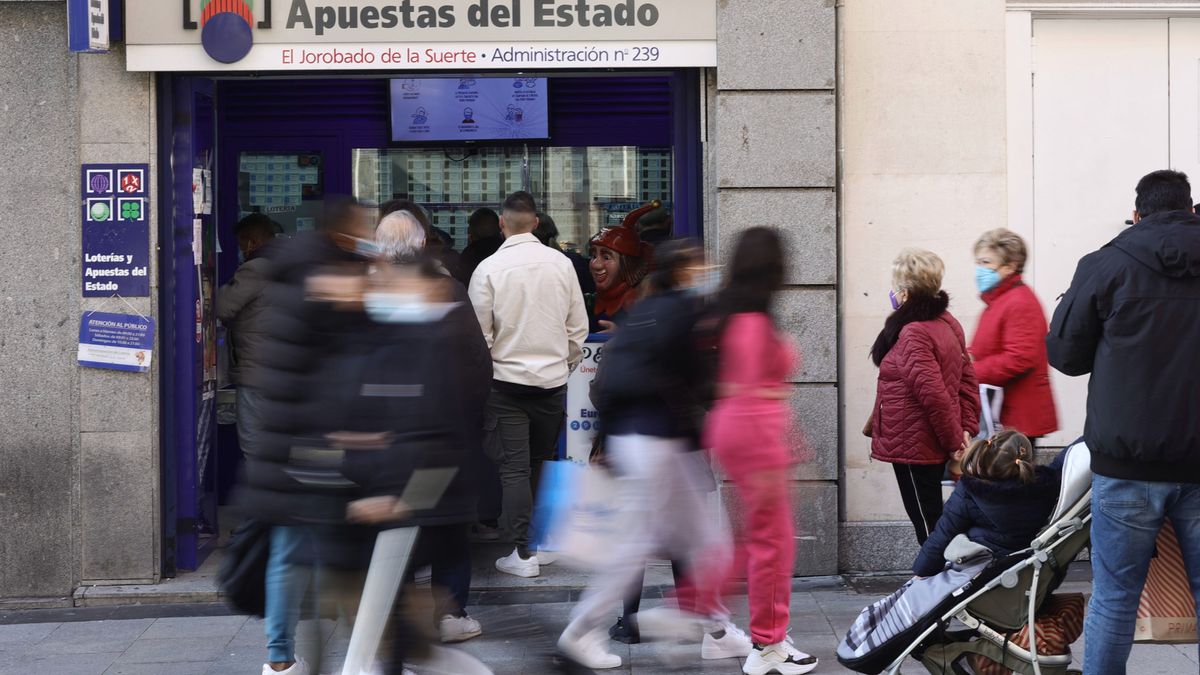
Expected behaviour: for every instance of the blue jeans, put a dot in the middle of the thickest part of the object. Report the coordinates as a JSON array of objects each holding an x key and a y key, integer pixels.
[
  {"x": 286, "y": 585},
  {"x": 1126, "y": 518}
]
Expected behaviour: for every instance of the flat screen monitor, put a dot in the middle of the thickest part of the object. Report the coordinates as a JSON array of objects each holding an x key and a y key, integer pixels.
[{"x": 457, "y": 110}]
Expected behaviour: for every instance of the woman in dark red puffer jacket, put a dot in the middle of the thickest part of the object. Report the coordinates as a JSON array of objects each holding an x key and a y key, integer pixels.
[
  {"x": 927, "y": 398},
  {"x": 1009, "y": 346}
]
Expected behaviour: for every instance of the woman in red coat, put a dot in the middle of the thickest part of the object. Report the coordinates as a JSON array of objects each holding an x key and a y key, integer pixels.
[
  {"x": 1009, "y": 347},
  {"x": 927, "y": 399}
]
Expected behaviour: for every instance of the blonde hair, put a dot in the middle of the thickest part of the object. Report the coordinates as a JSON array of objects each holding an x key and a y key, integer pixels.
[
  {"x": 917, "y": 270},
  {"x": 400, "y": 236},
  {"x": 1006, "y": 455},
  {"x": 1008, "y": 244}
]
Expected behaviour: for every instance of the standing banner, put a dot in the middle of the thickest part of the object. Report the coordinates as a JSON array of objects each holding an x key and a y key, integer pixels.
[
  {"x": 583, "y": 422},
  {"x": 116, "y": 341},
  {"x": 116, "y": 230}
]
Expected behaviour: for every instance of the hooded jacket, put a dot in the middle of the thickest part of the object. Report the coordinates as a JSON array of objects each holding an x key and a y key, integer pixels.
[
  {"x": 1131, "y": 319},
  {"x": 1009, "y": 349},
  {"x": 241, "y": 306},
  {"x": 1001, "y": 515}
]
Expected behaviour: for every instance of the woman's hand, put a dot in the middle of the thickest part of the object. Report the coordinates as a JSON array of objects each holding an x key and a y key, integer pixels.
[
  {"x": 867, "y": 429},
  {"x": 373, "y": 510},
  {"x": 965, "y": 444}
]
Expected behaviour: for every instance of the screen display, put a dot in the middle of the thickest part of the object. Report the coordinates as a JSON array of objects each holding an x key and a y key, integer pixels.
[{"x": 469, "y": 109}]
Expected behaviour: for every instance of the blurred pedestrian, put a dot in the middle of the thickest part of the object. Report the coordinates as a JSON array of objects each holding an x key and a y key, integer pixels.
[
  {"x": 444, "y": 539},
  {"x": 748, "y": 433},
  {"x": 1130, "y": 320},
  {"x": 927, "y": 398},
  {"x": 649, "y": 398},
  {"x": 1009, "y": 346},
  {"x": 313, "y": 313},
  {"x": 531, "y": 312}
]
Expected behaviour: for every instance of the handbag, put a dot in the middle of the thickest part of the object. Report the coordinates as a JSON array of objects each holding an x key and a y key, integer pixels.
[
  {"x": 242, "y": 577},
  {"x": 578, "y": 514},
  {"x": 1167, "y": 611}
]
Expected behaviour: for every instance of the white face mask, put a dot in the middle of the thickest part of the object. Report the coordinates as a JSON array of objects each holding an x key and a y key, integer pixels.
[
  {"x": 406, "y": 308},
  {"x": 708, "y": 283}
]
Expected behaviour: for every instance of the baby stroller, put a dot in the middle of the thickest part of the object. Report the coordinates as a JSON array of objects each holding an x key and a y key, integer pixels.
[{"x": 1001, "y": 599}]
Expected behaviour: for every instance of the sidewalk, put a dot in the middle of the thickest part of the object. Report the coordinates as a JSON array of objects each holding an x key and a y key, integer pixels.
[{"x": 518, "y": 637}]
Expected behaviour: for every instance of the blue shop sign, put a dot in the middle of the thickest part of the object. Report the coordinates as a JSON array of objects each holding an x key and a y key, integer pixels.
[
  {"x": 116, "y": 230},
  {"x": 116, "y": 341}
]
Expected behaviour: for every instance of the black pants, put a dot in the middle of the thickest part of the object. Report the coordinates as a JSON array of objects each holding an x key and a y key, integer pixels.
[
  {"x": 522, "y": 432},
  {"x": 634, "y": 601},
  {"x": 921, "y": 490}
]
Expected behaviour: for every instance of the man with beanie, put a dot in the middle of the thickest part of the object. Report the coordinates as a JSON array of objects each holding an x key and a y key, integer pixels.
[
  {"x": 1131, "y": 320},
  {"x": 531, "y": 310}
]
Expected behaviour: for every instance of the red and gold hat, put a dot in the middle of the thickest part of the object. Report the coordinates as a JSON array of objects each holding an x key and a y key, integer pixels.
[{"x": 624, "y": 238}]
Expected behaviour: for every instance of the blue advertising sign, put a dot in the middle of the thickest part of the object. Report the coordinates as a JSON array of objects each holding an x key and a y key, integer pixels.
[
  {"x": 91, "y": 25},
  {"x": 116, "y": 341},
  {"x": 116, "y": 230}
]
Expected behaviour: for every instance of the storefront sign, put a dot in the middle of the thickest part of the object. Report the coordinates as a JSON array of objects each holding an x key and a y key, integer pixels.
[
  {"x": 116, "y": 341},
  {"x": 189, "y": 35},
  {"x": 583, "y": 422},
  {"x": 116, "y": 230},
  {"x": 88, "y": 25}
]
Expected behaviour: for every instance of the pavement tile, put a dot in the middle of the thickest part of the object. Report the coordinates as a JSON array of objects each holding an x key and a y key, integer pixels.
[
  {"x": 94, "y": 636},
  {"x": 171, "y": 650},
  {"x": 190, "y": 668},
  {"x": 1189, "y": 651},
  {"x": 60, "y": 664},
  {"x": 25, "y": 633},
  {"x": 196, "y": 627}
]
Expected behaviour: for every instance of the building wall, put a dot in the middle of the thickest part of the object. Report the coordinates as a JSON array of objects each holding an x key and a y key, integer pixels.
[
  {"x": 78, "y": 456},
  {"x": 923, "y": 148},
  {"x": 772, "y": 161}
]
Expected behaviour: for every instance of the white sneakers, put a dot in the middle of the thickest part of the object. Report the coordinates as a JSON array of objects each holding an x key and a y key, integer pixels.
[
  {"x": 732, "y": 643},
  {"x": 297, "y": 668},
  {"x": 458, "y": 628},
  {"x": 781, "y": 657},
  {"x": 517, "y": 566},
  {"x": 589, "y": 650}
]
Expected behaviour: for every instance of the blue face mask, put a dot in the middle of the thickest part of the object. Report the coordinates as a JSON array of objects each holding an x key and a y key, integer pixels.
[
  {"x": 895, "y": 302},
  {"x": 986, "y": 278}
]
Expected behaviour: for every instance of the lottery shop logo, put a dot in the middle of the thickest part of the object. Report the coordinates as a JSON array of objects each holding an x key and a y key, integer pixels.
[{"x": 226, "y": 26}]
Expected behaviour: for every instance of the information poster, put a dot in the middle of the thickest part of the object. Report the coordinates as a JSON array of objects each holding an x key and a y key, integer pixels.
[
  {"x": 583, "y": 422},
  {"x": 469, "y": 109},
  {"x": 116, "y": 341},
  {"x": 116, "y": 230}
]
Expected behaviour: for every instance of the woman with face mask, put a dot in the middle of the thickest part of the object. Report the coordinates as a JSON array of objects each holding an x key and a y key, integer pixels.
[
  {"x": 1009, "y": 347},
  {"x": 927, "y": 397}
]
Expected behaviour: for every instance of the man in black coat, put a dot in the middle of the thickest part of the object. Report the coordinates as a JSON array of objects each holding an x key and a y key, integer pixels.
[{"x": 1131, "y": 319}]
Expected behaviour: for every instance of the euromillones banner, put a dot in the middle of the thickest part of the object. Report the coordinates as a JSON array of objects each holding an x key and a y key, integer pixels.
[{"x": 372, "y": 34}]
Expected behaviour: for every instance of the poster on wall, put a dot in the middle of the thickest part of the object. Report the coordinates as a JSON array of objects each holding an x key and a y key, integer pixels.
[
  {"x": 116, "y": 341},
  {"x": 116, "y": 230}
]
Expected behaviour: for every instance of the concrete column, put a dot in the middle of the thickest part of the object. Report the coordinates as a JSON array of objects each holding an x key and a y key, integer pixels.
[
  {"x": 118, "y": 419},
  {"x": 39, "y": 291},
  {"x": 773, "y": 162}
]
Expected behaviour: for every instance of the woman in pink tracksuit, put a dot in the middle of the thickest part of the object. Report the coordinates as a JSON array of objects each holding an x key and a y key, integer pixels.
[{"x": 747, "y": 431}]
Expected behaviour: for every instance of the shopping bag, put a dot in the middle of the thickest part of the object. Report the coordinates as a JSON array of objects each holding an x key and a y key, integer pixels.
[
  {"x": 243, "y": 574},
  {"x": 580, "y": 515},
  {"x": 555, "y": 490},
  {"x": 1059, "y": 623},
  {"x": 1167, "y": 611}
]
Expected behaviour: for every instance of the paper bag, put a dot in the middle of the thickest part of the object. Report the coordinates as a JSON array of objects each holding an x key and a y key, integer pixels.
[{"x": 1167, "y": 612}]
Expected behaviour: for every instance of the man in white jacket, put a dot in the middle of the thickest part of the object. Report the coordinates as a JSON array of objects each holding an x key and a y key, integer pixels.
[{"x": 531, "y": 310}]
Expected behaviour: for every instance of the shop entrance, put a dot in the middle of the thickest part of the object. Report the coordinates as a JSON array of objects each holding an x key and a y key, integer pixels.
[{"x": 281, "y": 147}]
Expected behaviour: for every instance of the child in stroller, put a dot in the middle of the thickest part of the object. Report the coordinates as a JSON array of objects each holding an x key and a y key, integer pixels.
[{"x": 982, "y": 541}]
